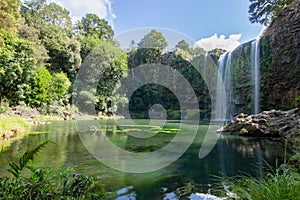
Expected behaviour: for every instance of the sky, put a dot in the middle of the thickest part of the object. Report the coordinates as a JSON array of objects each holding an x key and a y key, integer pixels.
[{"x": 207, "y": 23}]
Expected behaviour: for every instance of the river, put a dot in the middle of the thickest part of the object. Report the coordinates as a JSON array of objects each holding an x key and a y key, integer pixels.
[{"x": 230, "y": 156}]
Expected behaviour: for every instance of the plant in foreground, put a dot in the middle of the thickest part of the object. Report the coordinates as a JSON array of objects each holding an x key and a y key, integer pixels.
[
  {"x": 275, "y": 185},
  {"x": 44, "y": 183}
]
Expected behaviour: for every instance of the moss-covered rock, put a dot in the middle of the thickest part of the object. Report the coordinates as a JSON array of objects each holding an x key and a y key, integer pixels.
[{"x": 280, "y": 61}]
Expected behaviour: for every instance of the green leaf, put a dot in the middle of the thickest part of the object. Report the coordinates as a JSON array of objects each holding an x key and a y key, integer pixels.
[{"x": 25, "y": 159}]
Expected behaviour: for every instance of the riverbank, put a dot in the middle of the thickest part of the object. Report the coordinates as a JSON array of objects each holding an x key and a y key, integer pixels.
[
  {"x": 16, "y": 122},
  {"x": 12, "y": 127}
]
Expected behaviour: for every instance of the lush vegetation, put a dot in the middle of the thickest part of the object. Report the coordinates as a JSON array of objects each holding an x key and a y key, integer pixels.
[
  {"x": 44, "y": 183},
  {"x": 283, "y": 184},
  {"x": 41, "y": 52}
]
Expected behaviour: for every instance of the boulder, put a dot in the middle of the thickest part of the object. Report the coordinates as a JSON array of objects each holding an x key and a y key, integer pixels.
[
  {"x": 24, "y": 112},
  {"x": 274, "y": 124}
]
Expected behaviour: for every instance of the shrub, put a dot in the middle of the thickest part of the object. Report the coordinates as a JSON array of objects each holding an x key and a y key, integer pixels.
[
  {"x": 4, "y": 106},
  {"x": 44, "y": 183}
]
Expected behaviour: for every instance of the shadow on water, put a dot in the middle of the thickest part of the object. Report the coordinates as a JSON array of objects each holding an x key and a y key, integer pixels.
[{"x": 230, "y": 156}]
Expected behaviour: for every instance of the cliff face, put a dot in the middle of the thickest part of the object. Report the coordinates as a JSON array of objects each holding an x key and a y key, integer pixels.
[
  {"x": 280, "y": 61},
  {"x": 279, "y": 67}
]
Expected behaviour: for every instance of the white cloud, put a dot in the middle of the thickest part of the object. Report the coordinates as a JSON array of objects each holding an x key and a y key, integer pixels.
[
  {"x": 78, "y": 8},
  {"x": 221, "y": 42}
]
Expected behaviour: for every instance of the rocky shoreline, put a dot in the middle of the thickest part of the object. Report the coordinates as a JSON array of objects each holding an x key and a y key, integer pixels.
[{"x": 284, "y": 125}]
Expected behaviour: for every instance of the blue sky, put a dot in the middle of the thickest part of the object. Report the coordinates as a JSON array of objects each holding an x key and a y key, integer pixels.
[{"x": 197, "y": 19}]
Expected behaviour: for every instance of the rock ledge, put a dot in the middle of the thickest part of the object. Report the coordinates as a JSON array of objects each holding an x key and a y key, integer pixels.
[{"x": 274, "y": 124}]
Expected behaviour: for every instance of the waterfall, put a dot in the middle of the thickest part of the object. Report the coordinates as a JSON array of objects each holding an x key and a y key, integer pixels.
[
  {"x": 255, "y": 57},
  {"x": 223, "y": 106},
  {"x": 205, "y": 59},
  {"x": 228, "y": 87}
]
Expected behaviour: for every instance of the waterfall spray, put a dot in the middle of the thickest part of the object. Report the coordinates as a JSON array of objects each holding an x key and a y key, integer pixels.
[{"x": 255, "y": 57}]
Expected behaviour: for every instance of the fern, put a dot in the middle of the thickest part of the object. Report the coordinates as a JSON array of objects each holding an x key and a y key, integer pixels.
[{"x": 16, "y": 168}]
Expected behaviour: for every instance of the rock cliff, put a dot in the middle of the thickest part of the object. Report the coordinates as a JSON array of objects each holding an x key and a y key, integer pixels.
[{"x": 280, "y": 61}]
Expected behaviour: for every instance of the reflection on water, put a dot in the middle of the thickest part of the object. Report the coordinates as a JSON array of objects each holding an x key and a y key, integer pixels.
[{"x": 189, "y": 174}]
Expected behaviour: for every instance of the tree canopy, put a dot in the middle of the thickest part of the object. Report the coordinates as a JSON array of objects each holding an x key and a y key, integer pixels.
[
  {"x": 49, "y": 27},
  {"x": 182, "y": 44},
  {"x": 104, "y": 67},
  {"x": 9, "y": 14},
  {"x": 16, "y": 67},
  {"x": 263, "y": 11},
  {"x": 41, "y": 52},
  {"x": 153, "y": 39},
  {"x": 92, "y": 25}
]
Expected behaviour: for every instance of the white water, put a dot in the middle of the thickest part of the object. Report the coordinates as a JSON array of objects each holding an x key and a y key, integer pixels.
[
  {"x": 255, "y": 57},
  {"x": 224, "y": 101},
  {"x": 228, "y": 87},
  {"x": 205, "y": 59}
]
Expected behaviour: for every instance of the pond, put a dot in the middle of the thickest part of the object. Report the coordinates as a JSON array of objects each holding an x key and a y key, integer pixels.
[{"x": 230, "y": 156}]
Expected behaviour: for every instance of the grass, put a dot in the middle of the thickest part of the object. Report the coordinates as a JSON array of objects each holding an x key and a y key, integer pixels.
[
  {"x": 46, "y": 118},
  {"x": 275, "y": 185},
  {"x": 12, "y": 128},
  {"x": 9, "y": 123}
]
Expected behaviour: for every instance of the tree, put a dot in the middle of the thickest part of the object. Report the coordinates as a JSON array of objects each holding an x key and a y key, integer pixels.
[
  {"x": 153, "y": 39},
  {"x": 16, "y": 67},
  {"x": 60, "y": 86},
  {"x": 45, "y": 88},
  {"x": 33, "y": 5},
  {"x": 9, "y": 14},
  {"x": 92, "y": 25},
  {"x": 103, "y": 68},
  {"x": 132, "y": 44},
  {"x": 142, "y": 56},
  {"x": 54, "y": 28},
  {"x": 41, "y": 87},
  {"x": 56, "y": 15},
  {"x": 32, "y": 34},
  {"x": 263, "y": 11},
  {"x": 197, "y": 51},
  {"x": 39, "y": 13},
  {"x": 88, "y": 43},
  {"x": 64, "y": 54},
  {"x": 183, "y": 45}
]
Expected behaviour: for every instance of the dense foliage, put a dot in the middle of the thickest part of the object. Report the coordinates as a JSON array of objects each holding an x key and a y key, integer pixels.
[
  {"x": 180, "y": 60},
  {"x": 9, "y": 14},
  {"x": 44, "y": 183},
  {"x": 97, "y": 81},
  {"x": 41, "y": 52},
  {"x": 16, "y": 67}
]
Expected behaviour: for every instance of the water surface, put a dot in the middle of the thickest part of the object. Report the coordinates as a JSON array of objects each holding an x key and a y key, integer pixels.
[{"x": 230, "y": 156}]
